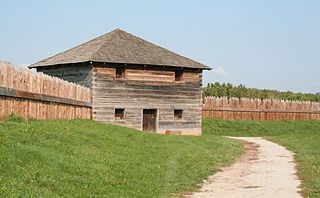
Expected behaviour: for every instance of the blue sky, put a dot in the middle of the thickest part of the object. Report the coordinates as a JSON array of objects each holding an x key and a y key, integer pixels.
[{"x": 265, "y": 44}]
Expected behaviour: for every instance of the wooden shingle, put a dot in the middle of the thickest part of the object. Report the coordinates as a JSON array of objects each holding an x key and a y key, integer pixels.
[{"x": 119, "y": 46}]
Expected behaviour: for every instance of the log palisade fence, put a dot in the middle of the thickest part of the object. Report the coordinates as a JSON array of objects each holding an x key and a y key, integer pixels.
[
  {"x": 257, "y": 109},
  {"x": 38, "y": 96}
]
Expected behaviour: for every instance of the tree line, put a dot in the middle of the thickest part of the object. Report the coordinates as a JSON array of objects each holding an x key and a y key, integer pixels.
[{"x": 241, "y": 91}]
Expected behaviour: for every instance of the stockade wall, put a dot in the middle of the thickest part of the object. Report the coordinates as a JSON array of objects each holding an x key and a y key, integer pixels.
[
  {"x": 39, "y": 96},
  {"x": 257, "y": 109}
]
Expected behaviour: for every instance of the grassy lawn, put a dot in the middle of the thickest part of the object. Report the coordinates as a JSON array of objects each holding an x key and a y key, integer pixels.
[
  {"x": 301, "y": 137},
  {"x": 82, "y": 158}
]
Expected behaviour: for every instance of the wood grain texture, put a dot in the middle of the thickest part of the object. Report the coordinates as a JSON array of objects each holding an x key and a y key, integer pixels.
[
  {"x": 256, "y": 109},
  {"x": 8, "y": 92},
  {"x": 39, "y": 96},
  {"x": 150, "y": 75},
  {"x": 148, "y": 89},
  {"x": 80, "y": 74}
]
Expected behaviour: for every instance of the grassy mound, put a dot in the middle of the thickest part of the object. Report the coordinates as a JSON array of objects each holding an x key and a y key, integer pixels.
[
  {"x": 82, "y": 158},
  {"x": 301, "y": 137}
]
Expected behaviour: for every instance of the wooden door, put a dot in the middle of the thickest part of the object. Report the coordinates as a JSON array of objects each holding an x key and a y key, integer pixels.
[{"x": 149, "y": 119}]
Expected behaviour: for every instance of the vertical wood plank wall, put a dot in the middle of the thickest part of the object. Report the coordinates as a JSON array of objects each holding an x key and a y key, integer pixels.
[
  {"x": 256, "y": 109},
  {"x": 148, "y": 89},
  {"x": 38, "y": 84}
]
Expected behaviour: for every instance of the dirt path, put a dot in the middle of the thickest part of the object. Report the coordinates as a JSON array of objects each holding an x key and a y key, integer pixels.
[{"x": 265, "y": 170}]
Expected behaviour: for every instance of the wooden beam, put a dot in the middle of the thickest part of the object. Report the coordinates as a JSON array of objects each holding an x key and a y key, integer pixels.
[{"x": 4, "y": 91}]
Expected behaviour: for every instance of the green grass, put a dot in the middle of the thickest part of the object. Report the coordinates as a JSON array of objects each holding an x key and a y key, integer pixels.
[
  {"x": 301, "y": 137},
  {"x": 82, "y": 158},
  {"x": 85, "y": 158}
]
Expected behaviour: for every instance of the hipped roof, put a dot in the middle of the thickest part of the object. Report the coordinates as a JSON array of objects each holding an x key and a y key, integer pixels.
[{"x": 119, "y": 46}]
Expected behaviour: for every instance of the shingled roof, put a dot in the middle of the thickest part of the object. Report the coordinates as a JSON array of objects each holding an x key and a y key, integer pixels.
[{"x": 119, "y": 46}]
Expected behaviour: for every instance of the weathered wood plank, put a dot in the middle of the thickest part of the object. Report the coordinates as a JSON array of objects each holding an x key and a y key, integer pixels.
[
  {"x": 141, "y": 90},
  {"x": 150, "y": 75},
  {"x": 256, "y": 109},
  {"x": 264, "y": 111},
  {"x": 105, "y": 71},
  {"x": 41, "y": 97},
  {"x": 77, "y": 73}
]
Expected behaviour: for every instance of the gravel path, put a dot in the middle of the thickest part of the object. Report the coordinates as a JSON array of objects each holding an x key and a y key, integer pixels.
[{"x": 265, "y": 170}]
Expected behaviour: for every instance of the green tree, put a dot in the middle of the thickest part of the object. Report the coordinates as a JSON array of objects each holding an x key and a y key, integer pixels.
[{"x": 241, "y": 91}]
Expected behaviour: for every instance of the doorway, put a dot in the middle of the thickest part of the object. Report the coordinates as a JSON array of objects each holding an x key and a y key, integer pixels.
[{"x": 149, "y": 119}]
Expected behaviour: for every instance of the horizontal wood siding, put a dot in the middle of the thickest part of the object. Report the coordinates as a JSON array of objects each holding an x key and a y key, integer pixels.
[
  {"x": 144, "y": 89},
  {"x": 107, "y": 71},
  {"x": 194, "y": 77},
  {"x": 80, "y": 74},
  {"x": 150, "y": 75}
]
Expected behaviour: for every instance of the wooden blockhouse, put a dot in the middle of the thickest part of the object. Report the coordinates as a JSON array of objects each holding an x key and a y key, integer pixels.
[{"x": 134, "y": 83}]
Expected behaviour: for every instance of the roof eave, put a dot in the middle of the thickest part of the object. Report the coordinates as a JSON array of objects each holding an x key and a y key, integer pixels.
[{"x": 203, "y": 67}]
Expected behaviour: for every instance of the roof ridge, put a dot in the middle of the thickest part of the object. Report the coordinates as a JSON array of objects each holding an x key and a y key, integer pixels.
[
  {"x": 107, "y": 34},
  {"x": 163, "y": 48}
]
